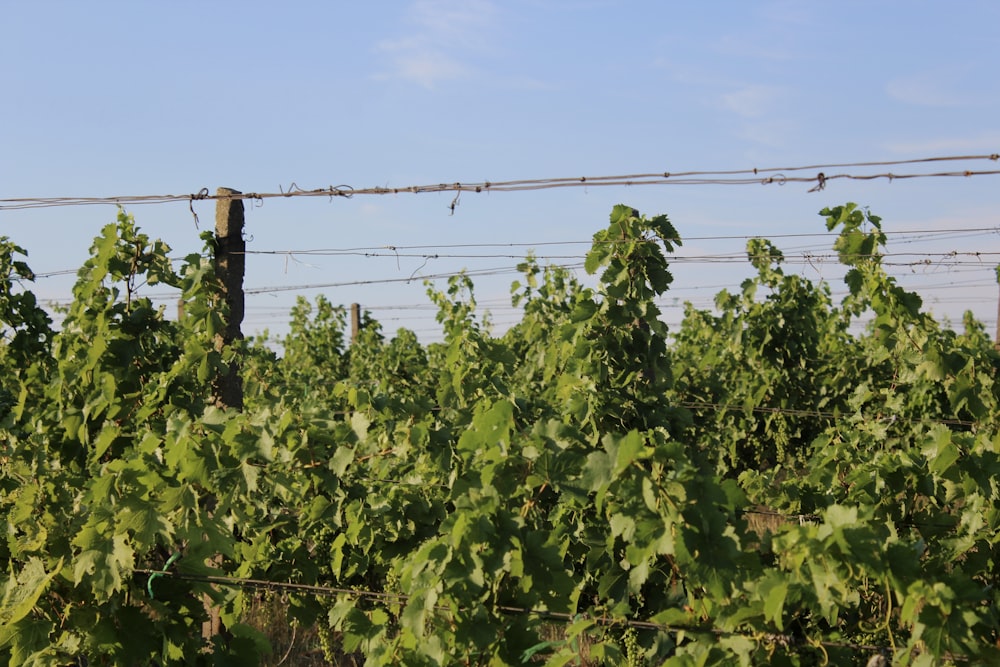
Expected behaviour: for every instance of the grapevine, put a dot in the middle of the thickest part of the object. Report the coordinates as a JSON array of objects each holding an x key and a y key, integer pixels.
[{"x": 770, "y": 483}]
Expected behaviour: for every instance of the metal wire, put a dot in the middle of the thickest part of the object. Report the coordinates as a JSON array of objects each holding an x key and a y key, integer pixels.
[{"x": 753, "y": 176}]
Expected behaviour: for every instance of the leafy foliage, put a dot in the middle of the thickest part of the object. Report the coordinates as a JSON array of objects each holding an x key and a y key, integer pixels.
[{"x": 587, "y": 471}]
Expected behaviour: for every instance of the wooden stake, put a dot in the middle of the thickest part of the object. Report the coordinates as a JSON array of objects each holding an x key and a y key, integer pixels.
[
  {"x": 996, "y": 343},
  {"x": 355, "y": 321},
  {"x": 230, "y": 265},
  {"x": 227, "y": 388}
]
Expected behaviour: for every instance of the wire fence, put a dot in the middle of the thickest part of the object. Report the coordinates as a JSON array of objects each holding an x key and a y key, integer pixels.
[
  {"x": 751, "y": 176},
  {"x": 820, "y": 176},
  {"x": 813, "y": 255}
]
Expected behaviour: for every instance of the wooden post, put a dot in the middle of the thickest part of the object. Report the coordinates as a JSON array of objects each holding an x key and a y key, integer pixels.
[
  {"x": 227, "y": 388},
  {"x": 996, "y": 340},
  {"x": 230, "y": 265},
  {"x": 355, "y": 321}
]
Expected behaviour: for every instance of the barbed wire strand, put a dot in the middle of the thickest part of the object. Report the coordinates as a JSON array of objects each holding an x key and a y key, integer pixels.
[
  {"x": 497, "y": 271},
  {"x": 734, "y": 258},
  {"x": 900, "y": 236},
  {"x": 735, "y": 255},
  {"x": 753, "y": 176}
]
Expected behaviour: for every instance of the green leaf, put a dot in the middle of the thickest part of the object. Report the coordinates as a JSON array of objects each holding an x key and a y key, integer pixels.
[
  {"x": 106, "y": 567},
  {"x": 774, "y": 591},
  {"x": 342, "y": 458},
  {"x": 21, "y": 593},
  {"x": 626, "y": 450},
  {"x": 941, "y": 453},
  {"x": 623, "y": 525},
  {"x": 416, "y": 611},
  {"x": 360, "y": 424},
  {"x": 107, "y": 436},
  {"x": 594, "y": 260},
  {"x": 145, "y": 522},
  {"x": 597, "y": 472},
  {"x": 839, "y": 516}
]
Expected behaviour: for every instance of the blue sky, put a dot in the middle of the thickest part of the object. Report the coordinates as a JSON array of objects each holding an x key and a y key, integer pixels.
[{"x": 129, "y": 98}]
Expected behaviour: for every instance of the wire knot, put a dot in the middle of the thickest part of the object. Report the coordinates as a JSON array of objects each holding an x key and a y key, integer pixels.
[
  {"x": 820, "y": 183},
  {"x": 201, "y": 194}
]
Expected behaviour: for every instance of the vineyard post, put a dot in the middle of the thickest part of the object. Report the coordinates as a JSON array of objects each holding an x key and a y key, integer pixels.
[
  {"x": 227, "y": 387},
  {"x": 230, "y": 265},
  {"x": 996, "y": 340},
  {"x": 355, "y": 321}
]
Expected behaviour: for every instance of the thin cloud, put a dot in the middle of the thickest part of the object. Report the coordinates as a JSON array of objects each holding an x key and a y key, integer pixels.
[
  {"x": 446, "y": 33},
  {"x": 753, "y": 101},
  {"x": 682, "y": 72},
  {"x": 528, "y": 83},
  {"x": 935, "y": 88},
  {"x": 743, "y": 47},
  {"x": 769, "y": 133},
  {"x": 788, "y": 12},
  {"x": 428, "y": 67},
  {"x": 984, "y": 143},
  {"x": 460, "y": 22},
  {"x": 760, "y": 107}
]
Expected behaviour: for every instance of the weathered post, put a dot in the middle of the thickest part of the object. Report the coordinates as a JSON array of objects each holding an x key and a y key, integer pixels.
[
  {"x": 355, "y": 321},
  {"x": 227, "y": 387},
  {"x": 230, "y": 265},
  {"x": 996, "y": 340}
]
